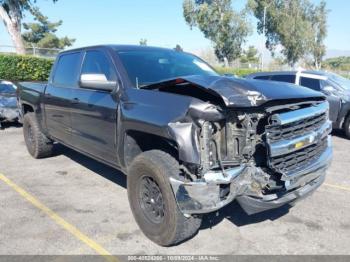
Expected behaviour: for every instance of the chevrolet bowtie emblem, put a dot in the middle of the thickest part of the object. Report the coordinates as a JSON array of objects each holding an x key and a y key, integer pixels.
[
  {"x": 299, "y": 145},
  {"x": 307, "y": 141}
]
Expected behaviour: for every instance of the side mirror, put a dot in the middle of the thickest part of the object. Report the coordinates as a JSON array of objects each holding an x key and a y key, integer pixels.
[
  {"x": 97, "y": 81},
  {"x": 329, "y": 90}
]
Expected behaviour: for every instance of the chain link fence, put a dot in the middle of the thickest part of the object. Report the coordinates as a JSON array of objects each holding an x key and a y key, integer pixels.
[
  {"x": 35, "y": 51},
  {"x": 271, "y": 66}
]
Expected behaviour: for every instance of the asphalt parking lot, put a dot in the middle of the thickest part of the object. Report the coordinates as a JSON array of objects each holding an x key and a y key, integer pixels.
[{"x": 71, "y": 204}]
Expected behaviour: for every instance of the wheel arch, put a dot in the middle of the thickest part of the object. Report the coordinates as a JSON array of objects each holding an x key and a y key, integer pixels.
[
  {"x": 26, "y": 108},
  {"x": 137, "y": 142}
]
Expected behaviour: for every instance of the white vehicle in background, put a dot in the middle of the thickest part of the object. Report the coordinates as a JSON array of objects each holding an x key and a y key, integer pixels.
[{"x": 335, "y": 87}]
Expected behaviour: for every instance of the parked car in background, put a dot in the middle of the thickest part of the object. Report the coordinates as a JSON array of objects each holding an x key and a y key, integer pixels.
[
  {"x": 335, "y": 87},
  {"x": 9, "y": 111},
  {"x": 190, "y": 141}
]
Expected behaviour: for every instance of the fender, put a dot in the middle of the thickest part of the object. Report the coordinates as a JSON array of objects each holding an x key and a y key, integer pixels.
[{"x": 170, "y": 116}]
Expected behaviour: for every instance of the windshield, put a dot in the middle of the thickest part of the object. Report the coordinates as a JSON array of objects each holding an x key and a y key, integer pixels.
[
  {"x": 145, "y": 67},
  {"x": 7, "y": 88},
  {"x": 342, "y": 82}
]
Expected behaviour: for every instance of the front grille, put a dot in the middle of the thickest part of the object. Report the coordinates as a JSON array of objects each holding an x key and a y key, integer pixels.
[
  {"x": 296, "y": 160},
  {"x": 285, "y": 132},
  {"x": 295, "y": 129}
]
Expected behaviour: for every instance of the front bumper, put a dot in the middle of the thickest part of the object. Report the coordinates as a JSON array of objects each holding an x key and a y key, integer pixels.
[
  {"x": 9, "y": 114},
  {"x": 252, "y": 205},
  {"x": 245, "y": 184}
]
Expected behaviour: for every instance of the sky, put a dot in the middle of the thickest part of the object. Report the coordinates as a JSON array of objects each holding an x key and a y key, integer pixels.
[{"x": 159, "y": 21}]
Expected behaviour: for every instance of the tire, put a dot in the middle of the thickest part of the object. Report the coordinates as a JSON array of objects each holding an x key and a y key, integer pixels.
[
  {"x": 347, "y": 127},
  {"x": 171, "y": 226},
  {"x": 38, "y": 145}
]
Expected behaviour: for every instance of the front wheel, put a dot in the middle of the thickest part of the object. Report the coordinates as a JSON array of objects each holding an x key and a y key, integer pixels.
[
  {"x": 152, "y": 200},
  {"x": 347, "y": 126}
]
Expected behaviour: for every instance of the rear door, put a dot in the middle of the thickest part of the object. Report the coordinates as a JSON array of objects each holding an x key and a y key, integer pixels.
[
  {"x": 58, "y": 96},
  {"x": 94, "y": 112},
  {"x": 317, "y": 85}
]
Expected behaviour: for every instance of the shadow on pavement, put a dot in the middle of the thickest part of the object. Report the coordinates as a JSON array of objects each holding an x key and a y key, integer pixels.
[
  {"x": 232, "y": 212},
  {"x": 339, "y": 133},
  {"x": 101, "y": 169},
  {"x": 236, "y": 215},
  {"x": 5, "y": 125}
]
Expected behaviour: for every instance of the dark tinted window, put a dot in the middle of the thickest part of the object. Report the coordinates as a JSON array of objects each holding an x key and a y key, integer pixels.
[
  {"x": 310, "y": 83},
  {"x": 66, "y": 72},
  {"x": 145, "y": 67},
  {"x": 284, "y": 78},
  {"x": 96, "y": 62},
  {"x": 262, "y": 77}
]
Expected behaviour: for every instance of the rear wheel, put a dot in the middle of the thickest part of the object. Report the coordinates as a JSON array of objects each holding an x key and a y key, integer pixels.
[
  {"x": 38, "y": 145},
  {"x": 152, "y": 200},
  {"x": 347, "y": 126}
]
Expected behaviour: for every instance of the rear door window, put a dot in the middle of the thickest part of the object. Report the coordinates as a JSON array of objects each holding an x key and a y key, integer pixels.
[
  {"x": 314, "y": 84},
  {"x": 67, "y": 70},
  {"x": 284, "y": 78}
]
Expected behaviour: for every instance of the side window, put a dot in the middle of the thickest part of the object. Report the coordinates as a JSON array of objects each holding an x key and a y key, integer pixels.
[
  {"x": 284, "y": 78},
  {"x": 262, "y": 77},
  {"x": 66, "y": 72},
  {"x": 310, "y": 83},
  {"x": 96, "y": 62}
]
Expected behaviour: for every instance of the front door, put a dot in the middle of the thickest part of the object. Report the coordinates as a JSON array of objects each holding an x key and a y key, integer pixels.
[{"x": 94, "y": 112}]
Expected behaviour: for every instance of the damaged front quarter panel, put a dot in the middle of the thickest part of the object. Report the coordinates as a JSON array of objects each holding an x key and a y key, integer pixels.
[{"x": 186, "y": 133}]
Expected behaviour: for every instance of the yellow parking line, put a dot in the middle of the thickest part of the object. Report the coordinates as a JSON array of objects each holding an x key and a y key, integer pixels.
[
  {"x": 59, "y": 220},
  {"x": 338, "y": 187}
]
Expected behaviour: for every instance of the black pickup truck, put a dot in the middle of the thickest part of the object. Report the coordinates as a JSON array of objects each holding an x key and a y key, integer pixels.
[{"x": 189, "y": 140}]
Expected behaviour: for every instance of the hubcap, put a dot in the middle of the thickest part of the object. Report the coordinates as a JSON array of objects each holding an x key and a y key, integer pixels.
[{"x": 151, "y": 200}]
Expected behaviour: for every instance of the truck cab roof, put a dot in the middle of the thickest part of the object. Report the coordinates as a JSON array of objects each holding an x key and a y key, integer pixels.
[{"x": 117, "y": 48}]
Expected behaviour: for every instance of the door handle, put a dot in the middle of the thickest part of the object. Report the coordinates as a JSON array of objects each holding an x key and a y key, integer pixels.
[{"x": 75, "y": 100}]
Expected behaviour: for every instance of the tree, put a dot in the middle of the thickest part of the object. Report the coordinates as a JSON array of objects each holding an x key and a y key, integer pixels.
[
  {"x": 226, "y": 28},
  {"x": 250, "y": 55},
  {"x": 286, "y": 24},
  {"x": 143, "y": 41},
  {"x": 318, "y": 18},
  {"x": 208, "y": 55},
  {"x": 42, "y": 32},
  {"x": 178, "y": 48},
  {"x": 297, "y": 25},
  {"x": 338, "y": 63},
  {"x": 11, "y": 12}
]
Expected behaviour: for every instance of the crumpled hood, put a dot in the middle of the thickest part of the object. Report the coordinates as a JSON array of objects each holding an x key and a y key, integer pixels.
[
  {"x": 237, "y": 92},
  {"x": 8, "y": 101}
]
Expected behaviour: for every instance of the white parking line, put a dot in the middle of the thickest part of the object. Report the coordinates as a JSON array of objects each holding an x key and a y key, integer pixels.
[{"x": 338, "y": 187}]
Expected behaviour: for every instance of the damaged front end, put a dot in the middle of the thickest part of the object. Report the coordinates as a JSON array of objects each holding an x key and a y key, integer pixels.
[{"x": 263, "y": 157}]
